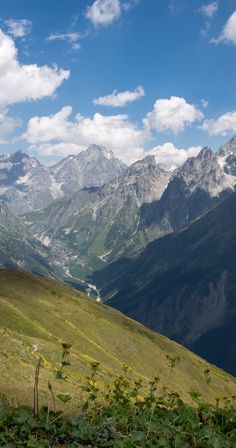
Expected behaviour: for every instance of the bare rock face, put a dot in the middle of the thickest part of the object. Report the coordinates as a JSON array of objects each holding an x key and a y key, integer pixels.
[
  {"x": 27, "y": 185},
  {"x": 195, "y": 188},
  {"x": 91, "y": 168},
  {"x": 227, "y": 157},
  {"x": 205, "y": 172},
  {"x": 24, "y": 183}
]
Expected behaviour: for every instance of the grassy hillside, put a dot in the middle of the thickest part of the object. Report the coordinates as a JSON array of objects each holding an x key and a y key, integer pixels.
[{"x": 38, "y": 312}]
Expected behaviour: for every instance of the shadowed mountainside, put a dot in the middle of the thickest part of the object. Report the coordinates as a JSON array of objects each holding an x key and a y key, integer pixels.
[{"x": 184, "y": 285}]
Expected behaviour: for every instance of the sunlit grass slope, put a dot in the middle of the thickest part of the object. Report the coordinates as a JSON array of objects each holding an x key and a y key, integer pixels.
[{"x": 36, "y": 312}]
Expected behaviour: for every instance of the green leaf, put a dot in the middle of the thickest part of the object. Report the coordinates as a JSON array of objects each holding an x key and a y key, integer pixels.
[
  {"x": 138, "y": 437},
  {"x": 64, "y": 397},
  {"x": 23, "y": 416}
]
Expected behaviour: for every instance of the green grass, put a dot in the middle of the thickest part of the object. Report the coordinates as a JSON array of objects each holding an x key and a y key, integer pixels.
[{"x": 37, "y": 311}]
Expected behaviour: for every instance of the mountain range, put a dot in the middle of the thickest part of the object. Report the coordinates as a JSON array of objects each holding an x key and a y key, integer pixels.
[
  {"x": 97, "y": 224},
  {"x": 100, "y": 224},
  {"x": 123, "y": 232},
  {"x": 25, "y": 184}
]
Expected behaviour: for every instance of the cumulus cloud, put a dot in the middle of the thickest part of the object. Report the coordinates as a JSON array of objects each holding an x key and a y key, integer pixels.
[
  {"x": 72, "y": 38},
  {"x": 209, "y": 9},
  {"x": 170, "y": 157},
  {"x": 18, "y": 28},
  {"x": 58, "y": 134},
  {"x": 19, "y": 82},
  {"x": 120, "y": 99},
  {"x": 104, "y": 12},
  {"x": 223, "y": 125},
  {"x": 228, "y": 34},
  {"x": 172, "y": 114}
]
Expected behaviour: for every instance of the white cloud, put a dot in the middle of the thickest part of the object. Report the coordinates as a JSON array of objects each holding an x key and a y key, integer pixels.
[
  {"x": 120, "y": 99},
  {"x": 129, "y": 4},
  {"x": 209, "y": 9},
  {"x": 62, "y": 149},
  {"x": 19, "y": 82},
  {"x": 18, "y": 28},
  {"x": 7, "y": 125},
  {"x": 170, "y": 157},
  {"x": 59, "y": 135},
  {"x": 228, "y": 34},
  {"x": 223, "y": 125},
  {"x": 172, "y": 114},
  {"x": 204, "y": 103},
  {"x": 104, "y": 12},
  {"x": 72, "y": 38}
]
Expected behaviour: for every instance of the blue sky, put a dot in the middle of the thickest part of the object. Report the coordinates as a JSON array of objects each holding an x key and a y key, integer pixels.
[{"x": 138, "y": 76}]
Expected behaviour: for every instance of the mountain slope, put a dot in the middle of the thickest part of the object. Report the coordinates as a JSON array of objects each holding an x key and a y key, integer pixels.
[
  {"x": 36, "y": 315},
  {"x": 184, "y": 285},
  {"x": 96, "y": 225},
  {"x": 18, "y": 249}
]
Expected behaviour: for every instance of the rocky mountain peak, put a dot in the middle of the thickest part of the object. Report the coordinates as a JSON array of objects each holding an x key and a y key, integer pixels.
[
  {"x": 20, "y": 157},
  {"x": 14, "y": 166},
  {"x": 205, "y": 172},
  {"x": 25, "y": 184},
  {"x": 205, "y": 154},
  {"x": 90, "y": 168},
  {"x": 195, "y": 165},
  {"x": 229, "y": 148},
  {"x": 147, "y": 163},
  {"x": 96, "y": 150},
  {"x": 227, "y": 157}
]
